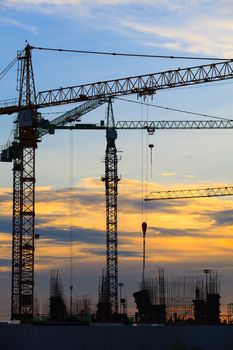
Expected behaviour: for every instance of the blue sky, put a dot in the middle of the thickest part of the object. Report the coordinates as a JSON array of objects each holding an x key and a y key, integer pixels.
[{"x": 180, "y": 158}]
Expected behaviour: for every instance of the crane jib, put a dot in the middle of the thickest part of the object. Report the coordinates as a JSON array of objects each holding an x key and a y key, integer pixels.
[
  {"x": 146, "y": 84},
  {"x": 142, "y": 85},
  {"x": 191, "y": 193}
]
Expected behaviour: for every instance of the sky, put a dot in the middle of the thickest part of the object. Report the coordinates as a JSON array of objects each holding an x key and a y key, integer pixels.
[{"x": 185, "y": 236}]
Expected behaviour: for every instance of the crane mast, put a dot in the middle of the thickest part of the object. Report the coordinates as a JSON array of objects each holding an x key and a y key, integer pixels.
[
  {"x": 111, "y": 191},
  {"x": 24, "y": 195}
]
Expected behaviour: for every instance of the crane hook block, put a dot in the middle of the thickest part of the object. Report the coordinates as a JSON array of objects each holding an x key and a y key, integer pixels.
[
  {"x": 151, "y": 145},
  {"x": 144, "y": 228}
]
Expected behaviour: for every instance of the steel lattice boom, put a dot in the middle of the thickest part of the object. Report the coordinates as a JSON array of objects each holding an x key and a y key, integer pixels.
[
  {"x": 175, "y": 124},
  {"x": 191, "y": 193},
  {"x": 146, "y": 84},
  {"x": 150, "y": 126},
  {"x": 73, "y": 115}
]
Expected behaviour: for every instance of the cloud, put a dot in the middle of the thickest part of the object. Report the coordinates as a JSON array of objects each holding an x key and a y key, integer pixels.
[
  {"x": 121, "y": 253},
  {"x": 168, "y": 4},
  {"x": 6, "y": 196},
  {"x": 11, "y": 22},
  {"x": 79, "y": 234},
  {"x": 190, "y": 176},
  {"x": 199, "y": 227},
  {"x": 188, "y": 232},
  {"x": 16, "y": 3},
  {"x": 180, "y": 26},
  {"x": 5, "y": 262},
  {"x": 168, "y": 174},
  {"x": 5, "y": 224},
  {"x": 223, "y": 217},
  {"x": 75, "y": 195},
  {"x": 201, "y": 35}
]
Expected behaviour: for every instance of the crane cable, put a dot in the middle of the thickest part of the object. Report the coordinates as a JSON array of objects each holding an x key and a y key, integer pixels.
[
  {"x": 145, "y": 163},
  {"x": 173, "y": 109},
  {"x": 71, "y": 184},
  {"x": 142, "y": 165},
  {"x": 147, "y": 158},
  {"x": 6, "y": 70},
  {"x": 161, "y": 107},
  {"x": 128, "y": 54}
]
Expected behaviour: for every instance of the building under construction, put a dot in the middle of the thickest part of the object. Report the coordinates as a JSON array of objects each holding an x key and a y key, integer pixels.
[
  {"x": 178, "y": 312},
  {"x": 160, "y": 300}
]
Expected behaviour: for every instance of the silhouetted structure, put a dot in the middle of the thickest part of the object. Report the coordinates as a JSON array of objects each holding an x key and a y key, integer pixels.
[
  {"x": 150, "y": 300},
  {"x": 207, "y": 309},
  {"x": 104, "y": 305},
  {"x": 83, "y": 306},
  {"x": 171, "y": 299},
  {"x": 199, "y": 306},
  {"x": 58, "y": 311}
]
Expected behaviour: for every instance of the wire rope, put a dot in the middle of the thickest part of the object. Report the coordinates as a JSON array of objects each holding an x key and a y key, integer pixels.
[
  {"x": 71, "y": 184},
  {"x": 147, "y": 158},
  {"x": 142, "y": 165},
  {"x": 127, "y": 54},
  {"x": 161, "y": 107},
  {"x": 6, "y": 70},
  {"x": 173, "y": 109}
]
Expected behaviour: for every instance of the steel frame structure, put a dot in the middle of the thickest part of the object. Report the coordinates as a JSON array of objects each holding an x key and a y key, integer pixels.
[
  {"x": 23, "y": 155},
  {"x": 111, "y": 191},
  {"x": 72, "y": 115},
  {"x": 191, "y": 193},
  {"x": 24, "y": 195},
  {"x": 24, "y": 164},
  {"x": 146, "y": 84},
  {"x": 175, "y": 124},
  {"x": 150, "y": 126}
]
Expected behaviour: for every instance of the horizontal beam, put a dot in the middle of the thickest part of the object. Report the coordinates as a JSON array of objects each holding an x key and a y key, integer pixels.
[
  {"x": 191, "y": 193},
  {"x": 140, "y": 85},
  {"x": 150, "y": 126},
  {"x": 175, "y": 124},
  {"x": 146, "y": 84},
  {"x": 46, "y": 127}
]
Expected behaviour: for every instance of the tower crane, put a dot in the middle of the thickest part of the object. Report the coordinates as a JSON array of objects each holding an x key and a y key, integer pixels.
[
  {"x": 28, "y": 120},
  {"x": 22, "y": 242}
]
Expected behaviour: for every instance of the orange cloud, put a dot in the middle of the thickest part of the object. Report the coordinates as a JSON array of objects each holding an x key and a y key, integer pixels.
[{"x": 178, "y": 230}]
